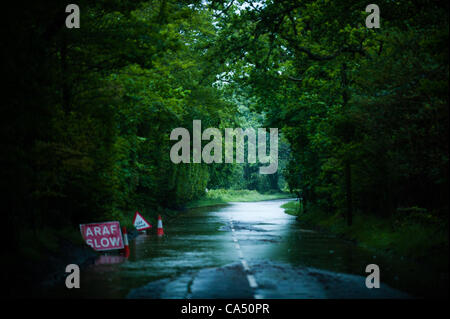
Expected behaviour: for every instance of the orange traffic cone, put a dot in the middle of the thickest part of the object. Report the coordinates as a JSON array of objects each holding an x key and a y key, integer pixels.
[
  {"x": 160, "y": 230},
  {"x": 126, "y": 248}
]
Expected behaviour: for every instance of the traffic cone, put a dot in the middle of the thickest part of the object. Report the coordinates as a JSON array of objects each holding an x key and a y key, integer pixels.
[
  {"x": 160, "y": 230},
  {"x": 126, "y": 249}
]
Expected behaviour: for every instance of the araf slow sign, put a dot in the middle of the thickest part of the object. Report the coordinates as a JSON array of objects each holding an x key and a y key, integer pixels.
[
  {"x": 102, "y": 236},
  {"x": 140, "y": 223}
]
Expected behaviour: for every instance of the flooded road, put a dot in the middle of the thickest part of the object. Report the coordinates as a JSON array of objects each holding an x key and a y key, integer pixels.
[{"x": 242, "y": 250}]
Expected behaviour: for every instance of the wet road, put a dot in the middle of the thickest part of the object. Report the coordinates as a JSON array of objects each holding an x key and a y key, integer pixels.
[{"x": 242, "y": 250}]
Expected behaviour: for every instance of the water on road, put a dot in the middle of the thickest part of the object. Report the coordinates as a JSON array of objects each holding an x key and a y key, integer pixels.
[{"x": 241, "y": 250}]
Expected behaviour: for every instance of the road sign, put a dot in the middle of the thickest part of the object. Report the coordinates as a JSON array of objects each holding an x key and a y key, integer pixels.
[
  {"x": 102, "y": 236},
  {"x": 140, "y": 223}
]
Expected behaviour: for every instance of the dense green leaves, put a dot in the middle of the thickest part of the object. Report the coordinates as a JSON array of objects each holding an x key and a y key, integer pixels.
[
  {"x": 363, "y": 113},
  {"x": 372, "y": 100},
  {"x": 88, "y": 122}
]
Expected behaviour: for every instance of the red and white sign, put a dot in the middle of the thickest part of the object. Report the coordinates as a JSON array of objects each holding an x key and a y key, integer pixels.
[
  {"x": 140, "y": 223},
  {"x": 102, "y": 236}
]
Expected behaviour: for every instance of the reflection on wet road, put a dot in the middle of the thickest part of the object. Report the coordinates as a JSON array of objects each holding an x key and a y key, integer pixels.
[{"x": 242, "y": 250}]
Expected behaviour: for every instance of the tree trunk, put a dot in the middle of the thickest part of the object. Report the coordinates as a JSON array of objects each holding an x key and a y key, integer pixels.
[
  {"x": 347, "y": 166},
  {"x": 348, "y": 191}
]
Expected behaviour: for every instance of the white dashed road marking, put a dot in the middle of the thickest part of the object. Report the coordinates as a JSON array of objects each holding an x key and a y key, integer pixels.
[
  {"x": 245, "y": 265},
  {"x": 250, "y": 278},
  {"x": 252, "y": 281}
]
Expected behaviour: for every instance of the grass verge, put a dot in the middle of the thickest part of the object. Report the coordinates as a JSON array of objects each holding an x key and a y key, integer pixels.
[
  {"x": 222, "y": 196},
  {"x": 415, "y": 235}
]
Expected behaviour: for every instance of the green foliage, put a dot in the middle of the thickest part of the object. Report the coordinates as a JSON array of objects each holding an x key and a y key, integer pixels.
[
  {"x": 88, "y": 130},
  {"x": 222, "y": 196},
  {"x": 362, "y": 113},
  {"x": 372, "y": 103},
  {"x": 410, "y": 237}
]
